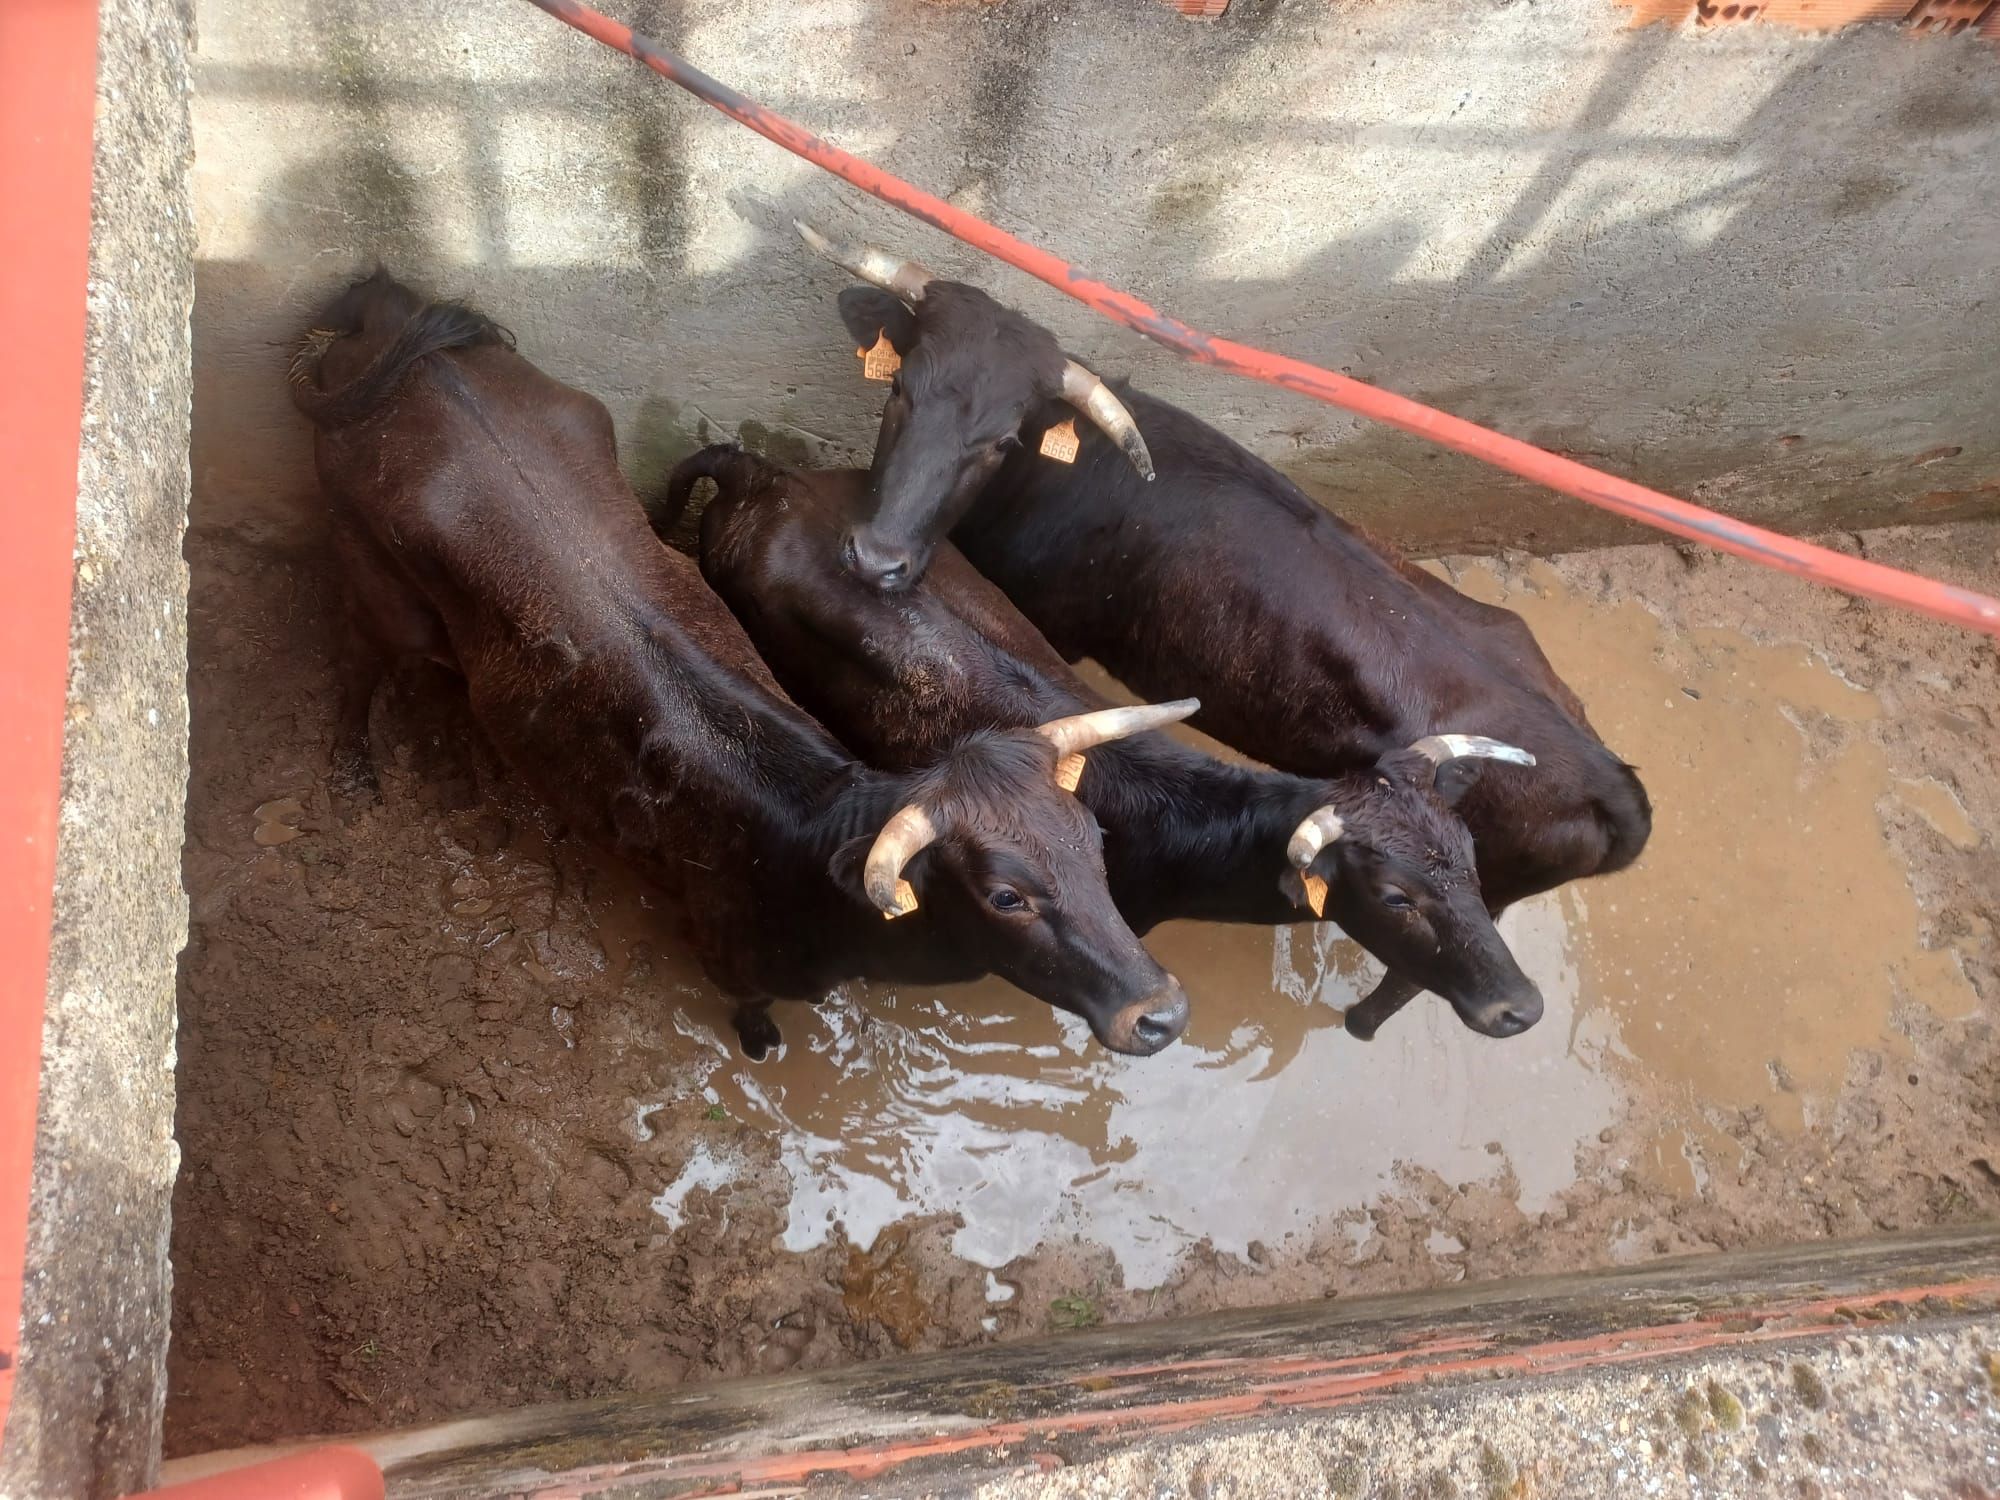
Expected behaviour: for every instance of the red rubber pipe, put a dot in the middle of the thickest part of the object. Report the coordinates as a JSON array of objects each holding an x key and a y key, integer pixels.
[
  {"x": 332, "y": 1473},
  {"x": 1622, "y": 497}
]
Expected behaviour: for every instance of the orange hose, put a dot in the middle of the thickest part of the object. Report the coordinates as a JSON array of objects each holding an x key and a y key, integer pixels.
[
  {"x": 1622, "y": 497},
  {"x": 331, "y": 1473}
]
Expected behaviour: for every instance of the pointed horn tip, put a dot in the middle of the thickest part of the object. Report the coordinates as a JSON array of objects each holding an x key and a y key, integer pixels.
[
  {"x": 1140, "y": 459},
  {"x": 893, "y": 897},
  {"x": 1181, "y": 708},
  {"x": 816, "y": 242}
]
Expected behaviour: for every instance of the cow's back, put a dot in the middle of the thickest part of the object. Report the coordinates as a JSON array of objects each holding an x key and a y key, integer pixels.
[
  {"x": 598, "y": 662},
  {"x": 900, "y": 677},
  {"x": 1311, "y": 646}
]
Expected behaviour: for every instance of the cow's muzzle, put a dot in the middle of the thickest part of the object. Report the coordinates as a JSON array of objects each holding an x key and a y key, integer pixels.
[
  {"x": 877, "y": 564},
  {"x": 1504, "y": 1017},
  {"x": 1145, "y": 1026}
]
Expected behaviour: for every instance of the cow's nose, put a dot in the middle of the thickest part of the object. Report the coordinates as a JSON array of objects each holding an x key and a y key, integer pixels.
[
  {"x": 1150, "y": 1024},
  {"x": 1509, "y": 1017},
  {"x": 884, "y": 567}
]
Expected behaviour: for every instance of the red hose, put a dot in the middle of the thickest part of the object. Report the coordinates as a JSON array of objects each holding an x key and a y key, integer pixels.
[{"x": 1620, "y": 496}]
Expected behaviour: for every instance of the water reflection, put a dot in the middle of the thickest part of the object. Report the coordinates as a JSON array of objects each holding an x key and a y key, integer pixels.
[{"x": 1263, "y": 1121}]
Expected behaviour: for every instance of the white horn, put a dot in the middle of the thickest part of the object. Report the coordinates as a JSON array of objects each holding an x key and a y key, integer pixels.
[
  {"x": 905, "y": 278},
  {"x": 1322, "y": 826},
  {"x": 1440, "y": 748},
  {"x": 899, "y": 842},
  {"x": 1079, "y": 732},
  {"x": 1093, "y": 398}
]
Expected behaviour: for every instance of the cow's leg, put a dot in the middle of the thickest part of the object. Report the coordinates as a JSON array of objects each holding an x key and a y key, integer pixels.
[
  {"x": 359, "y": 671},
  {"x": 755, "y": 1028},
  {"x": 1365, "y": 1016},
  {"x": 385, "y": 618}
]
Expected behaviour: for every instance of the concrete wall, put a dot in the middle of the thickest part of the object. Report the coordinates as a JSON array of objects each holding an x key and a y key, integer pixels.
[
  {"x": 1748, "y": 264},
  {"x": 85, "y": 1420}
]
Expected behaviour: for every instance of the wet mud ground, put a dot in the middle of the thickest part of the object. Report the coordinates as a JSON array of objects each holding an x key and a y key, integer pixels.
[{"x": 461, "y": 1128}]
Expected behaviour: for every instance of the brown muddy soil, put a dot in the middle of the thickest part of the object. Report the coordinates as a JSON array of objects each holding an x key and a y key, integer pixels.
[{"x": 461, "y": 1129}]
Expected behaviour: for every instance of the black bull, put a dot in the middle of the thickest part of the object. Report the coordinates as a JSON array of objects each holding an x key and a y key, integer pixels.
[
  {"x": 1311, "y": 648},
  {"x": 482, "y": 522}
]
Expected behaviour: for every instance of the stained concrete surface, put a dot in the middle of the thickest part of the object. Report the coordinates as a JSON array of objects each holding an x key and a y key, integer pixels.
[
  {"x": 1745, "y": 264},
  {"x": 86, "y": 1413},
  {"x": 1867, "y": 1417}
]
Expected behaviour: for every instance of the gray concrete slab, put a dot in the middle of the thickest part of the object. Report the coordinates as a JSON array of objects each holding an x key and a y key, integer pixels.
[{"x": 1749, "y": 265}]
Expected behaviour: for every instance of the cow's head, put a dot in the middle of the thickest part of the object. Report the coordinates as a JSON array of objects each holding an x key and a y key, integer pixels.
[
  {"x": 972, "y": 374},
  {"x": 1397, "y": 869},
  {"x": 1012, "y": 867}
]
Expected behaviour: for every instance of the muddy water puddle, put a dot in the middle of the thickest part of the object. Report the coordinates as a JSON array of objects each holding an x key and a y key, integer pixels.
[
  {"x": 1766, "y": 934},
  {"x": 1769, "y": 930},
  {"x": 1256, "y": 1126}
]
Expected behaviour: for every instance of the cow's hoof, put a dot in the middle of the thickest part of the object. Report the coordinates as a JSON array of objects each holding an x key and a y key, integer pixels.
[
  {"x": 354, "y": 779},
  {"x": 1360, "y": 1027}
]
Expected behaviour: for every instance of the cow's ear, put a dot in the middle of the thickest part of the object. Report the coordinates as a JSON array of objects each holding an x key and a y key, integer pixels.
[
  {"x": 870, "y": 312},
  {"x": 1450, "y": 781}
]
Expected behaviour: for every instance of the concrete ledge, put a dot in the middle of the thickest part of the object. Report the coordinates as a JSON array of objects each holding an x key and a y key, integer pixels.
[{"x": 1498, "y": 1380}]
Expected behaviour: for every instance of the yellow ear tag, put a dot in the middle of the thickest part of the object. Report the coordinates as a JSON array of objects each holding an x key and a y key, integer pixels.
[
  {"x": 1315, "y": 894},
  {"x": 906, "y": 901},
  {"x": 1060, "y": 441},
  {"x": 1069, "y": 773},
  {"x": 881, "y": 362}
]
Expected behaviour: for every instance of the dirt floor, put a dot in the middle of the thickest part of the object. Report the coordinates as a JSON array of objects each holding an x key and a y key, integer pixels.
[{"x": 460, "y": 1130}]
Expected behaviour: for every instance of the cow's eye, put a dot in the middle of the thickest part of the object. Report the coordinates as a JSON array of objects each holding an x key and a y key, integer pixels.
[
  {"x": 1396, "y": 900},
  {"x": 1005, "y": 898},
  {"x": 1008, "y": 443}
]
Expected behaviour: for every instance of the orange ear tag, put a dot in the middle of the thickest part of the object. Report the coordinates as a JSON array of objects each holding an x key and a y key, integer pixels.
[
  {"x": 1315, "y": 894},
  {"x": 1060, "y": 441},
  {"x": 906, "y": 901},
  {"x": 1069, "y": 773},
  {"x": 881, "y": 362}
]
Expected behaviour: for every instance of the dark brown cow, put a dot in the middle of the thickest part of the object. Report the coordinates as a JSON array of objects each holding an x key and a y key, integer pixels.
[
  {"x": 1310, "y": 647},
  {"x": 483, "y": 522},
  {"x": 897, "y": 676}
]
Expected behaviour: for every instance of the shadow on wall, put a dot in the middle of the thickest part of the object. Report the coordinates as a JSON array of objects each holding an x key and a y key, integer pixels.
[{"x": 1744, "y": 271}]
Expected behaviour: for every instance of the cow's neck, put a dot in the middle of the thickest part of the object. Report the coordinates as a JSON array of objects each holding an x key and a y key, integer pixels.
[{"x": 1190, "y": 836}]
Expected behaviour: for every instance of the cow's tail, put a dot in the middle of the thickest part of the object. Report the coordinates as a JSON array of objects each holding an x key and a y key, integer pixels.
[
  {"x": 734, "y": 472},
  {"x": 410, "y": 328}
]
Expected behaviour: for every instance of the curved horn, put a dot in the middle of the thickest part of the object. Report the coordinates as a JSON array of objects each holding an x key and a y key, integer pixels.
[
  {"x": 1079, "y": 732},
  {"x": 1440, "y": 748},
  {"x": 1321, "y": 827},
  {"x": 1093, "y": 398},
  {"x": 899, "y": 842},
  {"x": 905, "y": 278}
]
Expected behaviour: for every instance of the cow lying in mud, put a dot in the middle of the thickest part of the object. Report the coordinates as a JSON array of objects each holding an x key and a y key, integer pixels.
[
  {"x": 482, "y": 521},
  {"x": 1310, "y": 648},
  {"x": 900, "y": 676}
]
